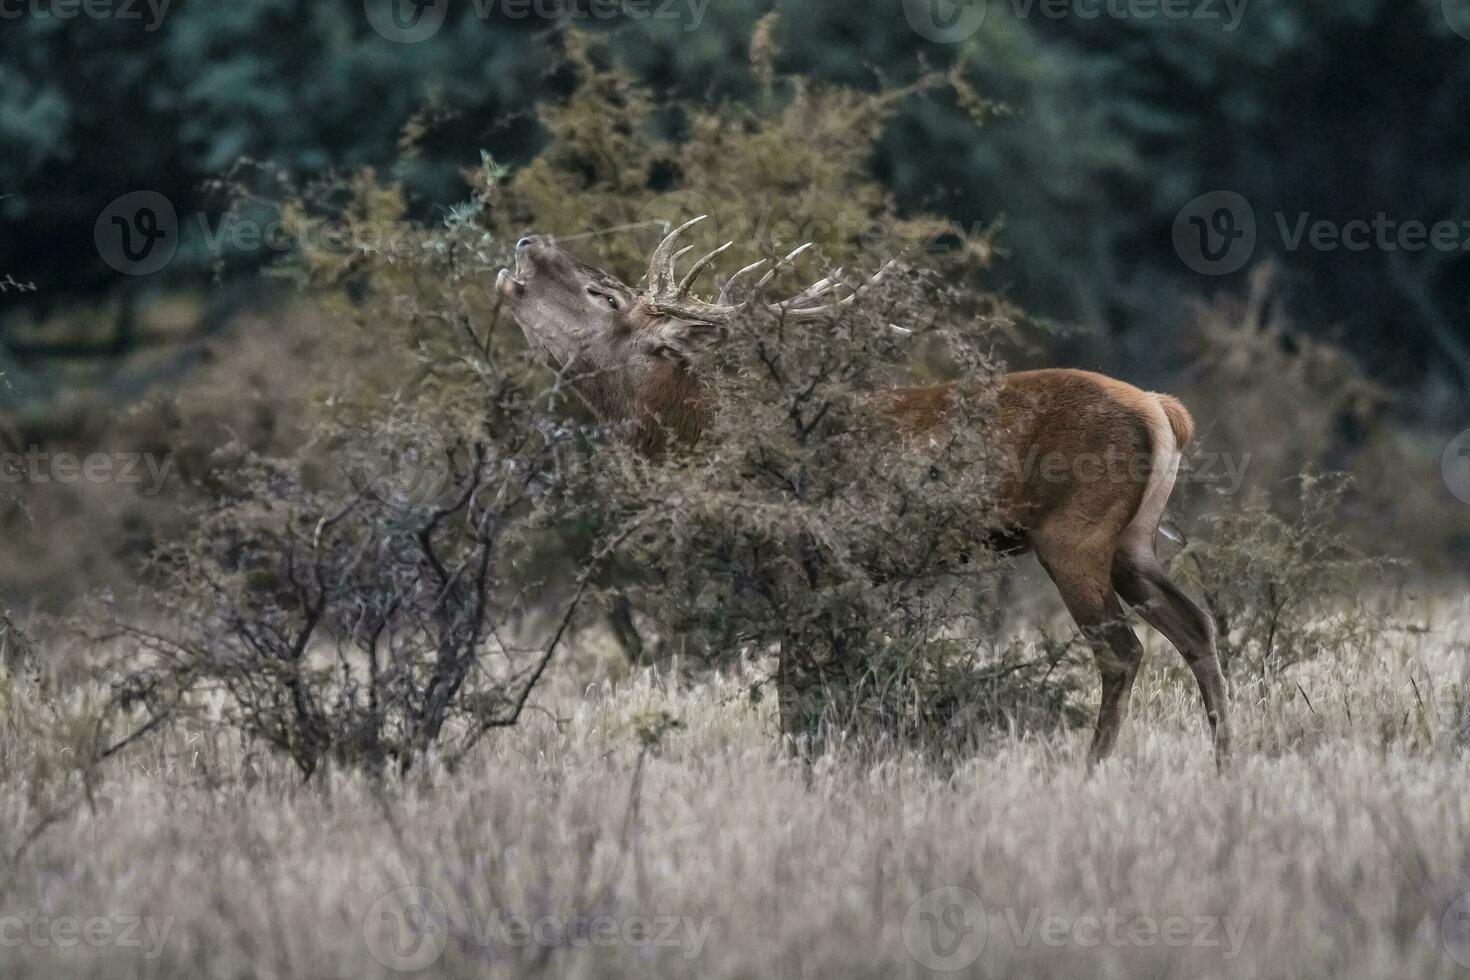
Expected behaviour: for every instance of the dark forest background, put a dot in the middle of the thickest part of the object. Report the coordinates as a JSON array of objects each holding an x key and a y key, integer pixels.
[{"x": 1090, "y": 138}]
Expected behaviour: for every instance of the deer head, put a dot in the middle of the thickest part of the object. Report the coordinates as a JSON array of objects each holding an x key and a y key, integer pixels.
[{"x": 627, "y": 351}]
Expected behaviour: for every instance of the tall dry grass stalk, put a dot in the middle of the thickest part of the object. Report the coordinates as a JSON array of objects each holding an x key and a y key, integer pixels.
[{"x": 647, "y": 827}]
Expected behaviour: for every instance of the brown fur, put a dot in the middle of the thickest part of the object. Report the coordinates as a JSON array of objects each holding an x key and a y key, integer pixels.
[
  {"x": 1078, "y": 525},
  {"x": 1047, "y": 420},
  {"x": 672, "y": 403},
  {"x": 1179, "y": 419}
]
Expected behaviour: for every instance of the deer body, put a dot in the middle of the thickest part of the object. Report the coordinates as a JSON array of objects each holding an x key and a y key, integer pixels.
[{"x": 1092, "y": 460}]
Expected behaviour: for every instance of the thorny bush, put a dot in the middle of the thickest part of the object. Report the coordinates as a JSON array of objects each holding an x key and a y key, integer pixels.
[{"x": 348, "y": 613}]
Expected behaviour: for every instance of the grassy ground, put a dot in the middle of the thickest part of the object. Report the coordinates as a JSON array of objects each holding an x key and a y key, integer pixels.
[{"x": 1339, "y": 845}]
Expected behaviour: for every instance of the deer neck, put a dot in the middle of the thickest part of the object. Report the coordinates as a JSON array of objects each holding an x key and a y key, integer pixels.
[{"x": 668, "y": 406}]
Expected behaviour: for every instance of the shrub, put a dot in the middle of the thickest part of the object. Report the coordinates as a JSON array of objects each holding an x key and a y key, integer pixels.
[
  {"x": 351, "y": 602},
  {"x": 1284, "y": 589},
  {"x": 807, "y": 524},
  {"x": 1248, "y": 359},
  {"x": 801, "y": 526},
  {"x": 15, "y": 646},
  {"x": 346, "y": 621}
]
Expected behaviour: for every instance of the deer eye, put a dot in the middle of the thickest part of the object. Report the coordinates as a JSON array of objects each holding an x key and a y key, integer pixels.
[{"x": 607, "y": 298}]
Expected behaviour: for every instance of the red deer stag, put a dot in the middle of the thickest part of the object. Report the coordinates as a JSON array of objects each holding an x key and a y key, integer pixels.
[{"x": 622, "y": 350}]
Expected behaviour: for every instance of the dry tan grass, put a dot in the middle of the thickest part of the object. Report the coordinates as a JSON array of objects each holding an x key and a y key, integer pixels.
[{"x": 1335, "y": 848}]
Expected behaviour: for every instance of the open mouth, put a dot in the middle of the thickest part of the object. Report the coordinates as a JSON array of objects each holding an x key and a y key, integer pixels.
[
  {"x": 512, "y": 285},
  {"x": 508, "y": 285}
]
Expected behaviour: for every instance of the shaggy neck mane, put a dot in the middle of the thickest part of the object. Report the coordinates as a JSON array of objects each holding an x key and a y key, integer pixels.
[{"x": 669, "y": 407}]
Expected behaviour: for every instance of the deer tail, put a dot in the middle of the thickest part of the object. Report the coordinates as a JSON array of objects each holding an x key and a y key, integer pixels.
[{"x": 1179, "y": 419}]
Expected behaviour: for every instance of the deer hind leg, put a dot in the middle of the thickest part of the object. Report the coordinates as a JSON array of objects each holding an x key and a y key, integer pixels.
[
  {"x": 1082, "y": 575},
  {"x": 1140, "y": 579}
]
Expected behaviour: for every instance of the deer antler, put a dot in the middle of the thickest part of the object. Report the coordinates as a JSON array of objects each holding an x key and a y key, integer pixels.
[
  {"x": 792, "y": 309},
  {"x": 663, "y": 293}
]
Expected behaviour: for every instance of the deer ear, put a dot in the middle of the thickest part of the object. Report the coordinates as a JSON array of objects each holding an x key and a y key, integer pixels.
[{"x": 679, "y": 339}]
